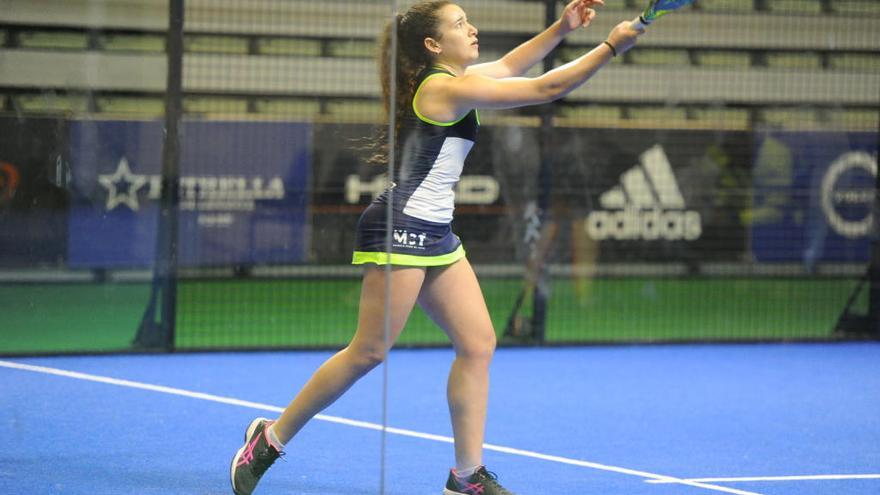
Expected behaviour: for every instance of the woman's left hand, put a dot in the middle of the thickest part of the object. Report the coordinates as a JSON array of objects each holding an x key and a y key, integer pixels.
[{"x": 578, "y": 13}]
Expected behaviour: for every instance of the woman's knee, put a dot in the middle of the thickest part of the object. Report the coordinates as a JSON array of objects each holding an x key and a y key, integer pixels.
[
  {"x": 366, "y": 357},
  {"x": 478, "y": 346}
]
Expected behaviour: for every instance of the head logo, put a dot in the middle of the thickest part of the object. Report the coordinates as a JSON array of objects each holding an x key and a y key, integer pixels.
[
  {"x": 845, "y": 202},
  {"x": 647, "y": 205},
  {"x": 471, "y": 189},
  {"x": 9, "y": 179}
]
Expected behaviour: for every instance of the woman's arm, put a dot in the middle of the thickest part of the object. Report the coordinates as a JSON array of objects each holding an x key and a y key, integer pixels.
[
  {"x": 578, "y": 13},
  {"x": 448, "y": 98}
]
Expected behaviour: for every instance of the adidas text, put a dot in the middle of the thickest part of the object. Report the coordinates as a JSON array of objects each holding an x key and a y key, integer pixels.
[
  {"x": 649, "y": 225},
  {"x": 647, "y": 205}
]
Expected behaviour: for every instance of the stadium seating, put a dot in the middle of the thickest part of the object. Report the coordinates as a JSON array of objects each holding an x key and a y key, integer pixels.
[{"x": 736, "y": 61}]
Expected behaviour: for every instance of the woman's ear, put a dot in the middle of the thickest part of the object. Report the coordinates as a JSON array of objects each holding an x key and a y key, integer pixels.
[{"x": 432, "y": 46}]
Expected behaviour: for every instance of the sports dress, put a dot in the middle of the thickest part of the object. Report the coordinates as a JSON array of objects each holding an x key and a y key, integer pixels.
[{"x": 432, "y": 158}]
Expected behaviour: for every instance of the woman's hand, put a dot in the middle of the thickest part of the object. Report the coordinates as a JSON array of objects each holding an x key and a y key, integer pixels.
[
  {"x": 624, "y": 36},
  {"x": 578, "y": 13}
]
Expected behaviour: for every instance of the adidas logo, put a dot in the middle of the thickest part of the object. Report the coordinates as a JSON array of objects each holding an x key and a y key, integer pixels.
[{"x": 647, "y": 205}]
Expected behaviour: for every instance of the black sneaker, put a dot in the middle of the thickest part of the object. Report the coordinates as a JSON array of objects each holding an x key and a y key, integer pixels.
[
  {"x": 253, "y": 459},
  {"x": 482, "y": 482}
]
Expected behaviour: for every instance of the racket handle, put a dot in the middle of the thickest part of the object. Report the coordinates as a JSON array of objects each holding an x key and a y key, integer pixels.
[{"x": 640, "y": 24}]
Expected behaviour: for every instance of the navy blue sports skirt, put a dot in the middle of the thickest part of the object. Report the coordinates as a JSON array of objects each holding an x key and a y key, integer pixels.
[{"x": 415, "y": 242}]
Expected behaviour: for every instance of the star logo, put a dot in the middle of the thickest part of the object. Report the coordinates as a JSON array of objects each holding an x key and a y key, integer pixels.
[{"x": 122, "y": 186}]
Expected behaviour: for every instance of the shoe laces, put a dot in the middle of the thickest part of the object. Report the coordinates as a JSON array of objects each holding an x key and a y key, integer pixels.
[
  {"x": 492, "y": 478},
  {"x": 264, "y": 459}
]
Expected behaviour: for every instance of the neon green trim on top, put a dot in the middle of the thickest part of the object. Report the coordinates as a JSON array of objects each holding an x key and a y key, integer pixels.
[
  {"x": 426, "y": 119},
  {"x": 381, "y": 258}
]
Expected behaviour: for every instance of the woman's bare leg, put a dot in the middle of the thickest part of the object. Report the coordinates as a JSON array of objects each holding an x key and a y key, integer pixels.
[
  {"x": 452, "y": 298},
  {"x": 366, "y": 350}
]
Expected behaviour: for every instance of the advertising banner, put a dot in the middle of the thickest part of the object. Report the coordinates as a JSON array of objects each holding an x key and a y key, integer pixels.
[
  {"x": 33, "y": 199},
  {"x": 651, "y": 195},
  {"x": 243, "y": 188},
  {"x": 615, "y": 195},
  {"x": 813, "y": 195}
]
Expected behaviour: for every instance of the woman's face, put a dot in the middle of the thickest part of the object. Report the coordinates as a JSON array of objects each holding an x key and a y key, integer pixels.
[{"x": 458, "y": 38}]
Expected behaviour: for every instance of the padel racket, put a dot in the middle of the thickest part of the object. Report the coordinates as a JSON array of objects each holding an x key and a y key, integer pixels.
[{"x": 658, "y": 8}]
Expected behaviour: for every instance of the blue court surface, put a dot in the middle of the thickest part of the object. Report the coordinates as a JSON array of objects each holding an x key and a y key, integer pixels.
[{"x": 777, "y": 419}]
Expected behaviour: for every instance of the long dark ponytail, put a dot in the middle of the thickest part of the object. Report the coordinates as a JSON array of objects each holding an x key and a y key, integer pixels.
[{"x": 419, "y": 22}]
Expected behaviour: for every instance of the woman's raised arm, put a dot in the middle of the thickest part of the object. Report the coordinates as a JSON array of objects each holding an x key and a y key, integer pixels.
[
  {"x": 578, "y": 13},
  {"x": 449, "y": 98}
]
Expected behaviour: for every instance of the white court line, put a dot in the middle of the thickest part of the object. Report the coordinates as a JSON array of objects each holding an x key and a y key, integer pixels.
[
  {"x": 806, "y": 477},
  {"x": 659, "y": 478}
]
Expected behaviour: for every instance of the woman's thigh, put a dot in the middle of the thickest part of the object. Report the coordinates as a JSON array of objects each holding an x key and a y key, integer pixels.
[
  {"x": 452, "y": 297},
  {"x": 405, "y": 284}
]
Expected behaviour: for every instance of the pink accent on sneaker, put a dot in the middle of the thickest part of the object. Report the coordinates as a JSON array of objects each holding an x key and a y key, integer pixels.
[
  {"x": 248, "y": 455},
  {"x": 472, "y": 488},
  {"x": 466, "y": 486}
]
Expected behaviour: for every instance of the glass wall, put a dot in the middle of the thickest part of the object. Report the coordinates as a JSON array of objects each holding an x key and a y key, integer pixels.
[{"x": 715, "y": 183}]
